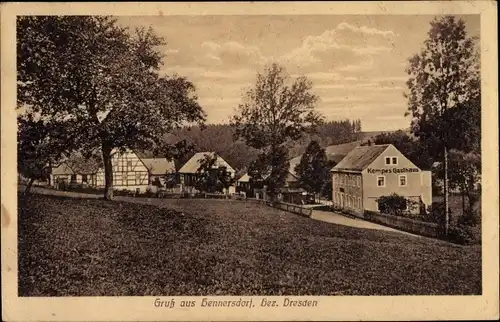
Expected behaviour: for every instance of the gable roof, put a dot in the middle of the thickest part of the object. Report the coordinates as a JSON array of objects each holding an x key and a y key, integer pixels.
[
  {"x": 62, "y": 169},
  {"x": 244, "y": 178},
  {"x": 84, "y": 166},
  {"x": 340, "y": 150},
  {"x": 159, "y": 166},
  {"x": 361, "y": 157},
  {"x": 333, "y": 153},
  {"x": 192, "y": 165}
]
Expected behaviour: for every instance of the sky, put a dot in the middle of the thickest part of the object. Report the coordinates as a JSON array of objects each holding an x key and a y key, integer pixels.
[{"x": 356, "y": 63}]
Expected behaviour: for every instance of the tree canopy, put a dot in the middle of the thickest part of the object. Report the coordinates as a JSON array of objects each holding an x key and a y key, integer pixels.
[
  {"x": 212, "y": 178},
  {"x": 313, "y": 170},
  {"x": 40, "y": 145},
  {"x": 102, "y": 83},
  {"x": 276, "y": 110},
  {"x": 442, "y": 77}
]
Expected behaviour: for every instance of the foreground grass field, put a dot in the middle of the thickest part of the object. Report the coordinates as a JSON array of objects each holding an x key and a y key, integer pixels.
[{"x": 88, "y": 247}]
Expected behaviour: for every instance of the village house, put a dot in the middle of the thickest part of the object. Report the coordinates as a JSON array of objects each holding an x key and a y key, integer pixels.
[
  {"x": 162, "y": 172},
  {"x": 129, "y": 172},
  {"x": 62, "y": 175},
  {"x": 187, "y": 173},
  {"x": 367, "y": 173}
]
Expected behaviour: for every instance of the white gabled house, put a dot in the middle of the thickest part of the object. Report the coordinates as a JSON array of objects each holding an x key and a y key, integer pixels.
[{"x": 187, "y": 173}]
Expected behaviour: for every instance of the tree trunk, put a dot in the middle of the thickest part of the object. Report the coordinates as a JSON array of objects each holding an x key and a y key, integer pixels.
[
  {"x": 28, "y": 187},
  {"x": 463, "y": 199},
  {"x": 446, "y": 192},
  {"x": 108, "y": 172}
]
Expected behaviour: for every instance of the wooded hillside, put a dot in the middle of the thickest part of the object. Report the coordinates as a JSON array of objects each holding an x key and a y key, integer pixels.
[{"x": 220, "y": 138}]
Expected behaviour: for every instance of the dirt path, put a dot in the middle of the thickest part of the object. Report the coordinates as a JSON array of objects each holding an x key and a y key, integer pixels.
[{"x": 334, "y": 218}]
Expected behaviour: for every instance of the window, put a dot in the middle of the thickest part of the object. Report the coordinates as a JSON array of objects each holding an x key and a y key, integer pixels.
[
  {"x": 84, "y": 178},
  {"x": 358, "y": 181},
  {"x": 391, "y": 160},
  {"x": 381, "y": 181},
  {"x": 359, "y": 203},
  {"x": 73, "y": 178},
  {"x": 402, "y": 180}
]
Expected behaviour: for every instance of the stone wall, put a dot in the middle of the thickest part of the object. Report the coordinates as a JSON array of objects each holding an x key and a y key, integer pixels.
[{"x": 402, "y": 223}]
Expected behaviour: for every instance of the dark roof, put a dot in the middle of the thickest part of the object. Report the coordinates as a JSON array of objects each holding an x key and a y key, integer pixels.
[
  {"x": 333, "y": 153},
  {"x": 340, "y": 149},
  {"x": 361, "y": 157}
]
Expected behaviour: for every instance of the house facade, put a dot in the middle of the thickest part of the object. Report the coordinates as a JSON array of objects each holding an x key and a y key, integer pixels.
[
  {"x": 187, "y": 173},
  {"x": 290, "y": 192},
  {"x": 63, "y": 175},
  {"x": 129, "y": 172},
  {"x": 162, "y": 173},
  {"x": 367, "y": 173}
]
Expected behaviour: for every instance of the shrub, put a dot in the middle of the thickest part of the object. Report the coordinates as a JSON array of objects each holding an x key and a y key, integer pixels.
[
  {"x": 470, "y": 218},
  {"x": 149, "y": 193},
  {"x": 369, "y": 214},
  {"x": 396, "y": 205},
  {"x": 460, "y": 234},
  {"x": 124, "y": 192},
  {"x": 436, "y": 214}
]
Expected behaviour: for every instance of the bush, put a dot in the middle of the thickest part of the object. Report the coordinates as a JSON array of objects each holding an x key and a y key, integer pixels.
[
  {"x": 396, "y": 205},
  {"x": 436, "y": 214},
  {"x": 460, "y": 234},
  {"x": 124, "y": 192},
  {"x": 368, "y": 214},
  {"x": 470, "y": 218}
]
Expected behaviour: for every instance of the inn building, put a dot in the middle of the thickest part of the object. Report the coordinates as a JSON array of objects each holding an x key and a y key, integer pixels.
[{"x": 367, "y": 173}]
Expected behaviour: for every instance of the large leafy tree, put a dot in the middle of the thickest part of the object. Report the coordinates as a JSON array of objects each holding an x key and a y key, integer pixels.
[
  {"x": 102, "y": 83},
  {"x": 276, "y": 110},
  {"x": 270, "y": 170},
  {"x": 443, "y": 75},
  {"x": 313, "y": 170}
]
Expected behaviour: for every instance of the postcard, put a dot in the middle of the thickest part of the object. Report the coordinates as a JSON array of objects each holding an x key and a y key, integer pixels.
[{"x": 250, "y": 161}]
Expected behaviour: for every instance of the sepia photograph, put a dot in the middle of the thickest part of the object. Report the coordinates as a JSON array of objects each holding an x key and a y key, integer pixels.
[{"x": 249, "y": 161}]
